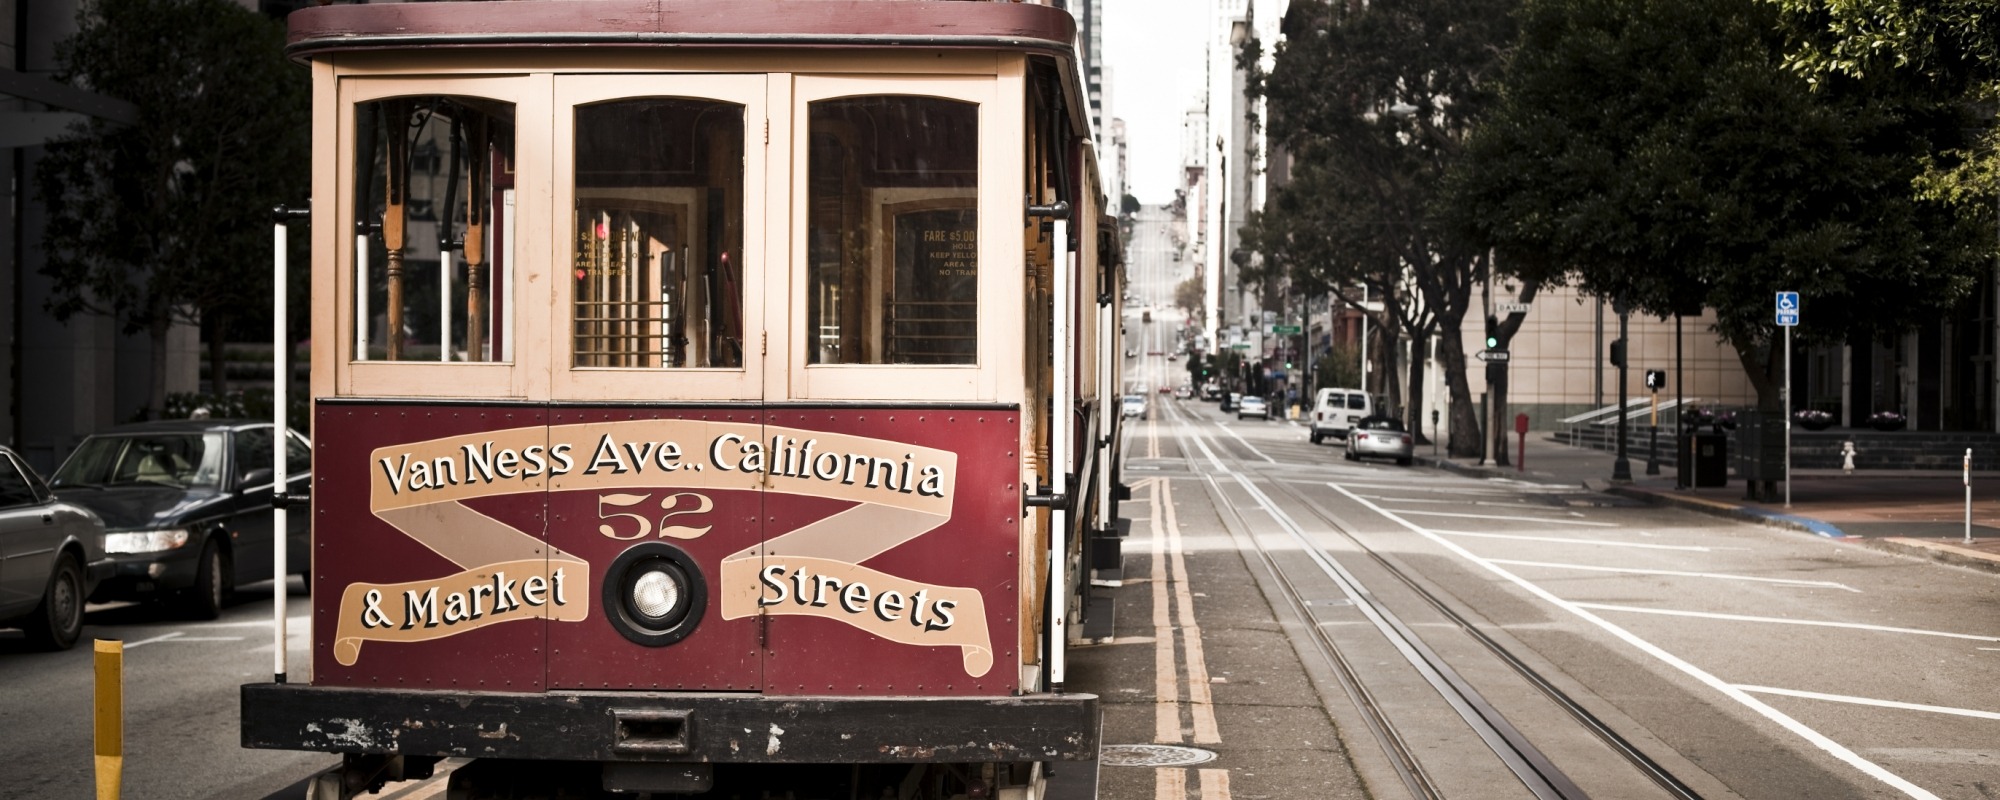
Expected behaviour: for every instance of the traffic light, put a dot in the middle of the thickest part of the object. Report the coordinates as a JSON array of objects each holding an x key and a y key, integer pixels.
[
  {"x": 1492, "y": 332},
  {"x": 1656, "y": 379},
  {"x": 1618, "y": 352}
]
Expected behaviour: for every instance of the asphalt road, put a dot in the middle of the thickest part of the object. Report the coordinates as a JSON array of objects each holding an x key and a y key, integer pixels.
[
  {"x": 181, "y": 708},
  {"x": 1330, "y": 629}
]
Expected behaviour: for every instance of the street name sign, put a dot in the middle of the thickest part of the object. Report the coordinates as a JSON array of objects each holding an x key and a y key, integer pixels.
[
  {"x": 1788, "y": 309},
  {"x": 1494, "y": 356},
  {"x": 1512, "y": 308},
  {"x": 1285, "y": 328}
]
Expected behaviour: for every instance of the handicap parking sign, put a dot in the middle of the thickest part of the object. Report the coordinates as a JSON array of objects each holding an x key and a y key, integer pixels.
[{"x": 1788, "y": 308}]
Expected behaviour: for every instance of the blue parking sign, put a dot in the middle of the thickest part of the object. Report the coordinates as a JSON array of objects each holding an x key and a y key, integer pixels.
[{"x": 1788, "y": 308}]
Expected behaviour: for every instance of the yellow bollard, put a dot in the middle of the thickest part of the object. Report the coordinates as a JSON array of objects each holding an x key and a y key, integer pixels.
[{"x": 110, "y": 714}]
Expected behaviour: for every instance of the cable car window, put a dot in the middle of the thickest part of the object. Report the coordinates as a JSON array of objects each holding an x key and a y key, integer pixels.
[
  {"x": 892, "y": 251},
  {"x": 659, "y": 234},
  {"x": 434, "y": 178}
]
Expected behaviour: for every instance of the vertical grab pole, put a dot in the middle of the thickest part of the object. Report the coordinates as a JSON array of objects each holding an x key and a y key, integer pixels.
[
  {"x": 1059, "y": 446},
  {"x": 280, "y": 377},
  {"x": 280, "y": 533}
]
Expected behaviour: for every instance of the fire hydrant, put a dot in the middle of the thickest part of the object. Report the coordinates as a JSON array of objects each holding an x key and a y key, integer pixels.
[{"x": 1847, "y": 457}]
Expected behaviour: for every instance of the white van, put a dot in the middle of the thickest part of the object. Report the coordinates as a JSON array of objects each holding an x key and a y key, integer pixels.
[{"x": 1335, "y": 411}]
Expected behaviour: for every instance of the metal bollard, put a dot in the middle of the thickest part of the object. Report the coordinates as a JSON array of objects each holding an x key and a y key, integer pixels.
[
  {"x": 1968, "y": 495},
  {"x": 109, "y": 715}
]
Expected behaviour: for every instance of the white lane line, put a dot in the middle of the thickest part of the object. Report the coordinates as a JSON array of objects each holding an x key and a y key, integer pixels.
[
  {"x": 160, "y": 638},
  {"x": 1246, "y": 443},
  {"x": 1505, "y": 518},
  {"x": 1780, "y": 620},
  {"x": 1455, "y": 501},
  {"x": 260, "y": 623},
  {"x": 1673, "y": 573},
  {"x": 1562, "y": 540},
  {"x": 1870, "y": 701},
  {"x": 1817, "y": 739}
]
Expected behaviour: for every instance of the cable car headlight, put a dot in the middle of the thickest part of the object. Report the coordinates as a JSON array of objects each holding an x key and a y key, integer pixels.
[{"x": 654, "y": 595}]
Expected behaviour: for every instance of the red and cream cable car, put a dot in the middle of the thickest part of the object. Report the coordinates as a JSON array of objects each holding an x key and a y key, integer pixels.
[{"x": 700, "y": 387}]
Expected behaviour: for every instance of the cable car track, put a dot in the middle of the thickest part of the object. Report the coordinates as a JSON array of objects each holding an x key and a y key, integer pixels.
[{"x": 1536, "y": 771}]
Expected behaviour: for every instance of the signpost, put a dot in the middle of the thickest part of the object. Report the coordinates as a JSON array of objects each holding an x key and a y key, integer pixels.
[{"x": 1788, "y": 318}]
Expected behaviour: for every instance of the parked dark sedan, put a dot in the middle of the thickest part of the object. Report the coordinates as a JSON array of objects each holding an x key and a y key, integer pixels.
[
  {"x": 187, "y": 507},
  {"x": 51, "y": 557}
]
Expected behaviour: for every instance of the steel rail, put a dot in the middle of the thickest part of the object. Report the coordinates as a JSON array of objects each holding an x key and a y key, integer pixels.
[
  {"x": 1402, "y": 757},
  {"x": 1535, "y": 770},
  {"x": 1658, "y": 774}
]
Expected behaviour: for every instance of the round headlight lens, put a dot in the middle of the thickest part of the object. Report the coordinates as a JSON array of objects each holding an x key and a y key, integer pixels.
[{"x": 656, "y": 594}]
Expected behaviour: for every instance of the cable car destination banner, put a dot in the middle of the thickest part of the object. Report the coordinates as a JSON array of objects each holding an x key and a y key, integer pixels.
[{"x": 656, "y": 479}]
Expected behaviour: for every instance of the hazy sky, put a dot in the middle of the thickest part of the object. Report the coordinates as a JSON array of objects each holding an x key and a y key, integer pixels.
[{"x": 1154, "y": 51}]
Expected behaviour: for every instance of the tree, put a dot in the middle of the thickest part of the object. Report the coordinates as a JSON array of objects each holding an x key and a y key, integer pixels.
[
  {"x": 168, "y": 219},
  {"x": 1658, "y": 153},
  {"x": 1952, "y": 45},
  {"x": 1373, "y": 102}
]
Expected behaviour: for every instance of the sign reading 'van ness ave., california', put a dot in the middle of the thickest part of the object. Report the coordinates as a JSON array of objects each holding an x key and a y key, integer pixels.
[{"x": 898, "y": 491}]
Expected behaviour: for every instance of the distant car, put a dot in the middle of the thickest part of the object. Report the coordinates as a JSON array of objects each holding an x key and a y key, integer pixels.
[
  {"x": 1252, "y": 406},
  {"x": 1135, "y": 405},
  {"x": 51, "y": 557},
  {"x": 1381, "y": 437},
  {"x": 1184, "y": 393},
  {"x": 1131, "y": 354},
  {"x": 187, "y": 507}
]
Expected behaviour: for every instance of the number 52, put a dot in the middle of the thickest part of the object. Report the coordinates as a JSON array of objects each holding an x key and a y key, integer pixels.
[{"x": 671, "y": 504}]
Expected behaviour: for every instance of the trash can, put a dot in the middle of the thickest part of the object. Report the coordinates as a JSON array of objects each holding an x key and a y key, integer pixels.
[{"x": 1704, "y": 459}]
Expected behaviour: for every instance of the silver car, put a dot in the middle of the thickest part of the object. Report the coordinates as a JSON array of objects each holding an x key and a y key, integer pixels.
[
  {"x": 1381, "y": 437},
  {"x": 51, "y": 557},
  {"x": 1252, "y": 406}
]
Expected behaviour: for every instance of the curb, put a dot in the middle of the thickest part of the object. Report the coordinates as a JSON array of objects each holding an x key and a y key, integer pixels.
[{"x": 1935, "y": 550}]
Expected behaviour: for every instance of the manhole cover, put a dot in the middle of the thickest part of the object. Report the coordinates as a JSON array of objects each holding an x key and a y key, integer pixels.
[{"x": 1152, "y": 755}]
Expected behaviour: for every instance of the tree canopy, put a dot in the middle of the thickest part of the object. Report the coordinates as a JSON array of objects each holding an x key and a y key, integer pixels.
[
  {"x": 169, "y": 218},
  {"x": 1952, "y": 45},
  {"x": 1372, "y": 103},
  {"x": 1660, "y": 153}
]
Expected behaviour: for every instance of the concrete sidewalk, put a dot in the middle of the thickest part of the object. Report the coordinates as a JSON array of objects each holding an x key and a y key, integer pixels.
[{"x": 1920, "y": 512}]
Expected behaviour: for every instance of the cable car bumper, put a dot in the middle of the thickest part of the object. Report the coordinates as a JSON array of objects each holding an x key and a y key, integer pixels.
[{"x": 658, "y": 726}]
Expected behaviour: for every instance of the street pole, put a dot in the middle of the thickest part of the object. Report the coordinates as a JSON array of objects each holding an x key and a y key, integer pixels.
[
  {"x": 1653, "y": 437},
  {"x": 1788, "y": 416},
  {"x": 1621, "y": 469}
]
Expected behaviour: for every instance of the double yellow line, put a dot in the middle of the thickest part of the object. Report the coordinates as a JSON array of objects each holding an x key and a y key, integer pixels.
[{"x": 1173, "y": 597}]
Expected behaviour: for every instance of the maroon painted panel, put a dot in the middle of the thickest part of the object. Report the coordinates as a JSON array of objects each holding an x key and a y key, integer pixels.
[
  {"x": 476, "y": 631},
  {"x": 619, "y": 495},
  {"x": 946, "y": 560},
  {"x": 840, "y": 550}
]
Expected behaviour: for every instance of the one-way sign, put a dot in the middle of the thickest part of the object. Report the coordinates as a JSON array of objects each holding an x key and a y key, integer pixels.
[{"x": 1494, "y": 356}]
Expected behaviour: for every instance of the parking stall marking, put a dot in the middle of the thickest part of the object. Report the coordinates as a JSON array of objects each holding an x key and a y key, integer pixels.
[
  {"x": 1561, "y": 540},
  {"x": 1860, "y": 626},
  {"x": 1669, "y": 573},
  {"x": 1729, "y": 690},
  {"x": 1507, "y": 518},
  {"x": 1869, "y": 701}
]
